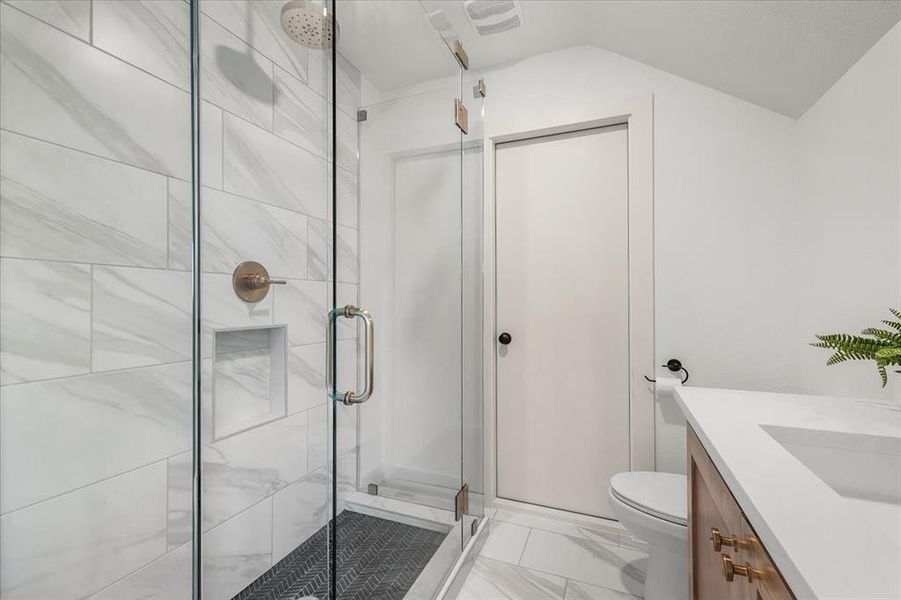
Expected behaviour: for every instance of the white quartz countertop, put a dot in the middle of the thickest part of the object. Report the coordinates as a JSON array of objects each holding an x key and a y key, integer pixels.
[{"x": 827, "y": 545}]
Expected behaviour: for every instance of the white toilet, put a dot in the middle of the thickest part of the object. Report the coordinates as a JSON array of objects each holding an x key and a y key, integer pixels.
[{"x": 653, "y": 506}]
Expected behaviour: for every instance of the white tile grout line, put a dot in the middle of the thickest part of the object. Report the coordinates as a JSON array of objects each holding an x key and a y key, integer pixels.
[{"x": 523, "y": 551}]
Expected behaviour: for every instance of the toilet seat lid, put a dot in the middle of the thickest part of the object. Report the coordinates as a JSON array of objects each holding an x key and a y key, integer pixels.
[{"x": 663, "y": 495}]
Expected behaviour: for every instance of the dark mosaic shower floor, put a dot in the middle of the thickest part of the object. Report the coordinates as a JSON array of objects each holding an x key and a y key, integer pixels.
[{"x": 377, "y": 560}]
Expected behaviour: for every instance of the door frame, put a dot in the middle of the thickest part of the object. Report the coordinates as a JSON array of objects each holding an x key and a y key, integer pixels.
[{"x": 638, "y": 115}]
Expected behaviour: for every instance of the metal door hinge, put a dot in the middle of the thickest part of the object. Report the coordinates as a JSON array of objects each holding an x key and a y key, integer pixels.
[
  {"x": 372, "y": 489},
  {"x": 474, "y": 527},
  {"x": 361, "y": 115},
  {"x": 461, "y": 502},
  {"x": 460, "y": 53},
  {"x": 478, "y": 90},
  {"x": 461, "y": 116}
]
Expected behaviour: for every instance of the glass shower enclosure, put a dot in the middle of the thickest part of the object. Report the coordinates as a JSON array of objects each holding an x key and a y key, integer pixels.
[{"x": 240, "y": 300}]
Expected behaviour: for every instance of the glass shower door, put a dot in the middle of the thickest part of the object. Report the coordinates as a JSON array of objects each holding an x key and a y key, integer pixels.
[{"x": 398, "y": 247}]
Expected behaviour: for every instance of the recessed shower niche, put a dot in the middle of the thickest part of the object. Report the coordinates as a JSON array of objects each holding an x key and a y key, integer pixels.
[{"x": 249, "y": 378}]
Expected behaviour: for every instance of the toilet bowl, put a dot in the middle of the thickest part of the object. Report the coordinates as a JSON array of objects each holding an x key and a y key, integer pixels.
[{"x": 653, "y": 506}]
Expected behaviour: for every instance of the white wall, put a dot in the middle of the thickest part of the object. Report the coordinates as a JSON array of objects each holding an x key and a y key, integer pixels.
[
  {"x": 849, "y": 145},
  {"x": 768, "y": 230},
  {"x": 725, "y": 219}
]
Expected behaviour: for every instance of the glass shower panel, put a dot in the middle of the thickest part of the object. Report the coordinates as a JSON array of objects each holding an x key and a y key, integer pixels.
[
  {"x": 95, "y": 300},
  {"x": 264, "y": 237},
  {"x": 473, "y": 298},
  {"x": 409, "y": 240}
]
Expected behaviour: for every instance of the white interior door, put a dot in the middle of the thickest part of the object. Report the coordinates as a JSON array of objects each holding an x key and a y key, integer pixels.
[{"x": 563, "y": 297}]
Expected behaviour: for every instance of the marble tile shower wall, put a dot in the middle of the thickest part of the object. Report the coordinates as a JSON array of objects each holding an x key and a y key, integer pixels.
[{"x": 95, "y": 292}]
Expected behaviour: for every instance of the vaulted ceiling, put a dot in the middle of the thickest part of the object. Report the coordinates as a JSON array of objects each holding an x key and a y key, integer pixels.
[{"x": 780, "y": 54}]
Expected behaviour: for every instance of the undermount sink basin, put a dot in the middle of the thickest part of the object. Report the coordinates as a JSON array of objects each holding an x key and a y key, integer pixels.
[{"x": 858, "y": 467}]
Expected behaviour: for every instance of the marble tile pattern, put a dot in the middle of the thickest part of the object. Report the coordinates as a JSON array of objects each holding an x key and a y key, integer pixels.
[
  {"x": 90, "y": 210},
  {"x": 234, "y": 76},
  {"x": 269, "y": 169},
  {"x": 301, "y": 115},
  {"x": 239, "y": 472},
  {"x": 45, "y": 321},
  {"x": 153, "y": 35},
  {"x": 71, "y": 16},
  {"x": 301, "y": 305},
  {"x": 61, "y": 434},
  {"x": 306, "y": 374},
  {"x": 530, "y": 556},
  {"x": 167, "y": 578},
  {"x": 95, "y": 337},
  {"x": 495, "y": 580},
  {"x": 141, "y": 317},
  {"x": 75, "y": 544},
  {"x": 258, "y": 23},
  {"x": 59, "y": 89}
]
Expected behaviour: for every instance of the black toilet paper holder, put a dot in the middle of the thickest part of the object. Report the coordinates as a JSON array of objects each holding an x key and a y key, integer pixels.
[{"x": 674, "y": 365}]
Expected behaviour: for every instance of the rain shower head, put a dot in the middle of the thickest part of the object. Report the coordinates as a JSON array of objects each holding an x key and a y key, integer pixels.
[{"x": 308, "y": 23}]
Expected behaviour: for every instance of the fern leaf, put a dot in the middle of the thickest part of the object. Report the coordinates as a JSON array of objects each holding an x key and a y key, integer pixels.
[
  {"x": 889, "y": 356},
  {"x": 882, "y": 374},
  {"x": 897, "y": 313},
  {"x": 883, "y": 334},
  {"x": 893, "y": 324}
]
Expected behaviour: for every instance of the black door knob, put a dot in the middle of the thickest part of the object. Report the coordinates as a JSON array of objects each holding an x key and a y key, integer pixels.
[{"x": 505, "y": 338}]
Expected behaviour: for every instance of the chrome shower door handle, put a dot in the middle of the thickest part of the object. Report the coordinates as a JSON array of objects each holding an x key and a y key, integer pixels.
[{"x": 350, "y": 312}]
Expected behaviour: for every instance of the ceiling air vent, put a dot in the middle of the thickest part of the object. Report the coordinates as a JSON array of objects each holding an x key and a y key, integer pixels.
[{"x": 493, "y": 16}]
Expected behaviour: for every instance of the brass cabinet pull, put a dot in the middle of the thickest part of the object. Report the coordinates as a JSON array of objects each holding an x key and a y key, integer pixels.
[
  {"x": 730, "y": 570},
  {"x": 719, "y": 540}
]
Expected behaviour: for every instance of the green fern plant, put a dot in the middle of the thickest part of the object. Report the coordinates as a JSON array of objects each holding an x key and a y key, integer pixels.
[{"x": 880, "y": 345}]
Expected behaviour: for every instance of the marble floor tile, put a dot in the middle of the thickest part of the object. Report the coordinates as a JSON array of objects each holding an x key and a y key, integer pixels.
[
  {"x": 140, "y": 317},
  {"x": 45, "y": 320},
  {"x": 90, "y": 210},
  {"x": 71, "y": 16},
  {"x": 58, "y": 88},
  {"x": 151, "y": 34},
  {"x": 495, "y": 580},
  {"x": 610, "y": 534},
  {"x": 505, "y": 542},
  {"x": 78, "y": 543},
  {"x": 606, "y": 565},
  {"x": 576, "y": 590}
]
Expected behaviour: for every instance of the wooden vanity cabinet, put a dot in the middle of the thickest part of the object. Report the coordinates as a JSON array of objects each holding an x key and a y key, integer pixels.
[{"x": 717, "y": 528}]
